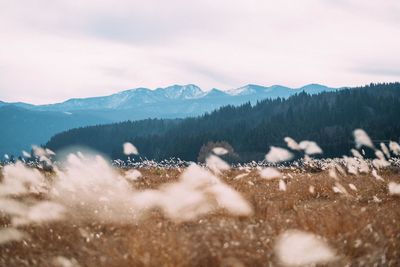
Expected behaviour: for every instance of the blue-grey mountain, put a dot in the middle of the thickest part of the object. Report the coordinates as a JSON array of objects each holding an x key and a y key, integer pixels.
[
  {"x": 328, "y": 118},
  {"x": 26, "y": 124}
]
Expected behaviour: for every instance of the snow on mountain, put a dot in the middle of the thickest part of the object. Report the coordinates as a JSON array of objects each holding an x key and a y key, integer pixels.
[
  {"x": 277, "y": 90},
  {"x": 247, "y": 90},
  {"x": 189, "y": 91},
  {"x": 176, "y": 101},
  {"x": 213, "y": 93},
  {"x": 139, "y": 97}
]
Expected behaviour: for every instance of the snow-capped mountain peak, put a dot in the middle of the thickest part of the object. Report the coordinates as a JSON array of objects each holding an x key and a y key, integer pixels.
[
  {"x": 247, "y": 90},
  {"x": 188, "y": 91},
  {"x": 174, "y": 96}
]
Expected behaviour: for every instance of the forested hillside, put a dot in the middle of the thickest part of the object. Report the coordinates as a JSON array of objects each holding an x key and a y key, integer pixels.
[
  {"x": 327, "y": 118},
  {"x": 172, "y": 102}
]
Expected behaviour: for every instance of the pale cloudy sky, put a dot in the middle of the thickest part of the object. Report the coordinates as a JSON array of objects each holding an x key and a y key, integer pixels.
[{"x": 51, "y": 50}]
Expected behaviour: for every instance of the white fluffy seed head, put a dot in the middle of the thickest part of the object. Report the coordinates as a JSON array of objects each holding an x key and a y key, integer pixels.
[
  {"x": 338, "y": 188},
  {"x": 298, "y": 248},
  {"x": 353, "y": 187},
  {"x": 278, "y": 154},
  {"x": 45, "y": 211},
  {"x": 10, "y": 234},
  {"x": 311, "y": 189},
  {"x": 61, "y": 261},
  {"x": 376, "y": 175},
  {"x": 270, "y": 173},
  {"x": 380, "y": 163},
  {"x": 130, "y": 149},
  {"x": 385, "y": 150},
  {"x": 19, "y": 179},
  {"x": 394, "y": 188},
  {"x": 291, "y": 143},
  {"x": 332, "y": 173},
  {"x": 240, "y": 176},
  {"x": 216, "y": 164},
  {"x": 361, "y": 138},
  {"x": 42, "y": 152},
  {"x": 220, "y": 151},
  {"x": 310, "y": 147},
  {"x": 394, "y": 147},
  {"x": 26, "y": 154},
  {"x": 230, "y": 200},
  {"x": 356, "y": 153},
  {"x": 282, "y": 185},
  {"x": 133, "y": 175}
]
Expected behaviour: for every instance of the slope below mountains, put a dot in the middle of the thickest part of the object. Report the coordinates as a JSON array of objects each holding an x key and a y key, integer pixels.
[
  {"x": 22, "y": 127},
  {"x": 327, "y": 118},
  {"x": 25, "y": 124}
]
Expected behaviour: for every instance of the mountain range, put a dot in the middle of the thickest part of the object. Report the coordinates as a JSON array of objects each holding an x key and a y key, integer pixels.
[
  {"x": 24, "y": 124},
  {"x": 249, "y": 130}
]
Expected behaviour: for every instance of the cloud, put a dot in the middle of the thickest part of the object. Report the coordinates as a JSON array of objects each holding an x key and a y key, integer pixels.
[
  {"x": 378, "y": 71},
  {"x": 53, "y": 50},
  {"x": 209, "y": 73}
]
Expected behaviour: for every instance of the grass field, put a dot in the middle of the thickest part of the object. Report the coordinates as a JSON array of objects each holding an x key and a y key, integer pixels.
[{"x": 362, "y": 226}]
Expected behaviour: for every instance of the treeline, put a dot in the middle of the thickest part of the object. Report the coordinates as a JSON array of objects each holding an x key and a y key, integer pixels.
[{"x": 327, "y": 118}]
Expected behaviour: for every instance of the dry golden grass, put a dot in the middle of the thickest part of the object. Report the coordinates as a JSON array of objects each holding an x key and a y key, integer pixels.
[{"x": 364, "y": 232}]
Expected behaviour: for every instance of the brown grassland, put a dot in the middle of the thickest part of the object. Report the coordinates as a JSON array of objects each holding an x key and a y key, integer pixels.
[{"x": 363, "y": 231}]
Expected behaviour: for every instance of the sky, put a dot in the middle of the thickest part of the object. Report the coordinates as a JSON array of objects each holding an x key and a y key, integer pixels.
[{"x": 52, "y": 50}]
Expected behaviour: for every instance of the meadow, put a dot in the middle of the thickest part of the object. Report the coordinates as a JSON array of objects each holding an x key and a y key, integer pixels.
[{"x": 312, "y": 212}]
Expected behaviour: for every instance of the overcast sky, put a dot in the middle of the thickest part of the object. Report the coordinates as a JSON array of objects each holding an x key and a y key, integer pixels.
[{"x": 51, "y": 50}]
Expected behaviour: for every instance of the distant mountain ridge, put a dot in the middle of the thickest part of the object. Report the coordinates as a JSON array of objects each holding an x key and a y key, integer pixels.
[
  {"x": 141, "y": 96},
  {"x": 328, "y": 119},
  {"x": 176, "y": 101}
]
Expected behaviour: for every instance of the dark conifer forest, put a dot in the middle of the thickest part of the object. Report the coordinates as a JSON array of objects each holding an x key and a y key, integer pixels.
[{"x": 327, "y": 118}]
